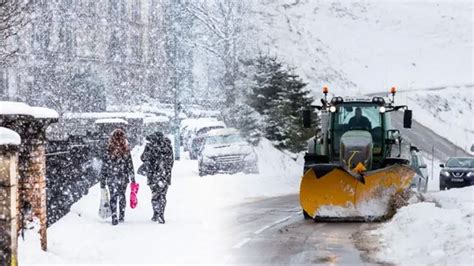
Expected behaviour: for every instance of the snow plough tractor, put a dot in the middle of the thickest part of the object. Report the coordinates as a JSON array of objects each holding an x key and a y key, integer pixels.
[{"x": 356, "y": 163}]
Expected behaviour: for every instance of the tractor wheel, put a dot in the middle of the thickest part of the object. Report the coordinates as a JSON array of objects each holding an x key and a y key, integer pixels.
[{"x": 306, "y": 215}]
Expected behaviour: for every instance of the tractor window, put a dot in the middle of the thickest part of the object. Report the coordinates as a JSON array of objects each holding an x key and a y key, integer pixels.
[{"x": 358, "y": 117}]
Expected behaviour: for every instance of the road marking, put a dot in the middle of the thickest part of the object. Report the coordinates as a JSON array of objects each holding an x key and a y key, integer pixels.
[
  {"x": 266, "y": 227},
  {"x": 241, "y": 243},
  {"x": 272, "y": 225}
]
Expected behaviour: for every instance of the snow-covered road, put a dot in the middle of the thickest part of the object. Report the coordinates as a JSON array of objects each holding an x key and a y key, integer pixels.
[{"x": 198, "y": 209}]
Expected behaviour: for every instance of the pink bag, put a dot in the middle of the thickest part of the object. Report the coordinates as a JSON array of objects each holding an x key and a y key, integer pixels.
[{"x": 133, "y": 194}]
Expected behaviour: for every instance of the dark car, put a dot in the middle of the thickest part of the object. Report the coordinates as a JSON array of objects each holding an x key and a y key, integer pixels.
[{"x": 458, "y": 172}]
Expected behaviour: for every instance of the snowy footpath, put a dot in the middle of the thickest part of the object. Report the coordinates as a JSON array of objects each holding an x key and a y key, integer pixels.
[
  {"x": 437, "y": 231},
  {"x": 193, "y": 218}
]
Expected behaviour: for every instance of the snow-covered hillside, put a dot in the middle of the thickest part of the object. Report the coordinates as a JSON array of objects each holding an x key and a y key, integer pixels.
[
  {"x": 368, "y": 46},
  {"x": 448, "y": 111}
]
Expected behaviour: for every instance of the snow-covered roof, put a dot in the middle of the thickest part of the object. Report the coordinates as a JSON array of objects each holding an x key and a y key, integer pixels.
[
  {"x": 156, "y": 119},
  {"x": 196, "y": 122},
  {"x": 19, "y": 108},
  {"x": 223, "y": 131},
  {"x": 111, "y": 121},
  {"x": 9, "y": 137},
  {"x": 100, "y": 115}
]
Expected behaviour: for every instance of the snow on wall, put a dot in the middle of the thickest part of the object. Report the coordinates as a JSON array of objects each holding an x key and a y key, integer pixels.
[
  {"x": 19, "y": 108},
  {"x": 9, "y": 137}
]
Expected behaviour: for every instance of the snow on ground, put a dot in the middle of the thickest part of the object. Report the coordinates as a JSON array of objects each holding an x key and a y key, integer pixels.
[
  {"x": 368, "y": 46},
  {"x": 449, "y": 108},
  {"x": 194, "y": 218},
  {"x": 440, "y": 231}
]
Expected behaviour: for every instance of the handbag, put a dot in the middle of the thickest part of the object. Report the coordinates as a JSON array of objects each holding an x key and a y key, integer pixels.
[
  {"x": 104, "y": 207},
  {"x": 143, "y": 169},
  {"x": 133, "y": 194}
]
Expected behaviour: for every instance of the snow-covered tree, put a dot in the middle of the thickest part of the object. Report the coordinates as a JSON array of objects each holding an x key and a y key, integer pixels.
[
  {"x": 13, "y": 16},
  {"x": 221, "y": 34},
  {"x": 280, "y": 96}
]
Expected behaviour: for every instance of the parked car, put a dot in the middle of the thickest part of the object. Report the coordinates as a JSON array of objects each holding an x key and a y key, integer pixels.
[
  {"x": 199, "y": 131},
  {"x": 225, "y": 150},
  {"x": 457, "y": 172},
  {"x": 420, "y": 180},
  {"x": 191, "y": 125}
]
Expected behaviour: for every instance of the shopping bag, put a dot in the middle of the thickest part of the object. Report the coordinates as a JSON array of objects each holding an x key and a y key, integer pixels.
[
  {"x": 104, "y": 208},
  {"x": 133, "y": 194}
]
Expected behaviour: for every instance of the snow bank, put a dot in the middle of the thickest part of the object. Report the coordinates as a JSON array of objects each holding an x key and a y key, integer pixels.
[
  {"x": 424, "y": 233},
  {"x": 9, "y": 137}
]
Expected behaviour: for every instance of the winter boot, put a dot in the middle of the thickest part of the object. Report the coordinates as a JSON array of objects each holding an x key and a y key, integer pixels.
[
  {"x": 114, "y": 220},
  {"x": 155, "y": 217},
  {"x": 161, "y": 219}
]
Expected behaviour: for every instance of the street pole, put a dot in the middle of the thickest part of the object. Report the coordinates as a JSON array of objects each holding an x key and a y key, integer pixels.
[
  {"x": 432, "y": 162},
  {"x": 177, "y": 144},
  {"x": 177, "y": 106}
]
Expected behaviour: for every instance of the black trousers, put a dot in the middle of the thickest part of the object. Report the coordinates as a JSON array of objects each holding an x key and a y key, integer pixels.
[
  {"x": 117, "y": 196},
  {"x": 158, "y": 199}
]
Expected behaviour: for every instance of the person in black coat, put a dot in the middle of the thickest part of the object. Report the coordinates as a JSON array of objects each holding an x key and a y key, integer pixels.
[
  {"x": 117, "y": 170},
  {"x": 359, "y": 121},
  {"x": 158, "y": 162}
]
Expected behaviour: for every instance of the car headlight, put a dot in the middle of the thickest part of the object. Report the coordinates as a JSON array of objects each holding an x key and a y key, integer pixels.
[
  {"x": 470, "y": 174},
  {"x": 445, "y": 173},
  {"x": 251, "y": 157}
]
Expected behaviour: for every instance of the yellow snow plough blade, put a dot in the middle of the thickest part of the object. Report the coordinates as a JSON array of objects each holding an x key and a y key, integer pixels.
[{"x": 342, "y": 195}]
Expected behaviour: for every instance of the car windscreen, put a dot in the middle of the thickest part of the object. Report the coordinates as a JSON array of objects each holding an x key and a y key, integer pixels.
[
  {"x": 223, "y": 139},
  {"x": 461, "y": 162}
]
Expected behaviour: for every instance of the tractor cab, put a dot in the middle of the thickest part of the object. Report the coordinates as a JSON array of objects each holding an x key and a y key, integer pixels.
[
  {"x": 357, "y": 130},
  {"x": 353, "y": 161}
]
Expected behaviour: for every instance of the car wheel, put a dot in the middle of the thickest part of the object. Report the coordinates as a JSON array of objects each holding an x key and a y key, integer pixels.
[
  {"x": 202, "y": 171},
  {"x": 441, "y": 187}
]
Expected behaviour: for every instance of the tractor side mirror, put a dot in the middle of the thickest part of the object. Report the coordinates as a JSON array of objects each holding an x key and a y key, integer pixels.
[
  {"x": 307, "y": 118},
  {"x": 407, "y": 118},
  {"x": 441, "y": 165}
]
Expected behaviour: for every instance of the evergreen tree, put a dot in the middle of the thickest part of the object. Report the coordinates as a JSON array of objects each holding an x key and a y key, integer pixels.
[
  {"x": 245, "y": 118},
  {"x": 280, "y": 96}
]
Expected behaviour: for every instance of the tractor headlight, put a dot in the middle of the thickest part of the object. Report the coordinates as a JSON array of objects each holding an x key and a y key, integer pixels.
[
  {"x": 382, "y": 109},
  {"x": 444, "y": 173},
  {"x": 332, "y": 109}
]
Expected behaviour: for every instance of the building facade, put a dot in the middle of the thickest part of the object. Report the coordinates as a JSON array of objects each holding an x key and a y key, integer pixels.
[{"x": 79, "y": 55}]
